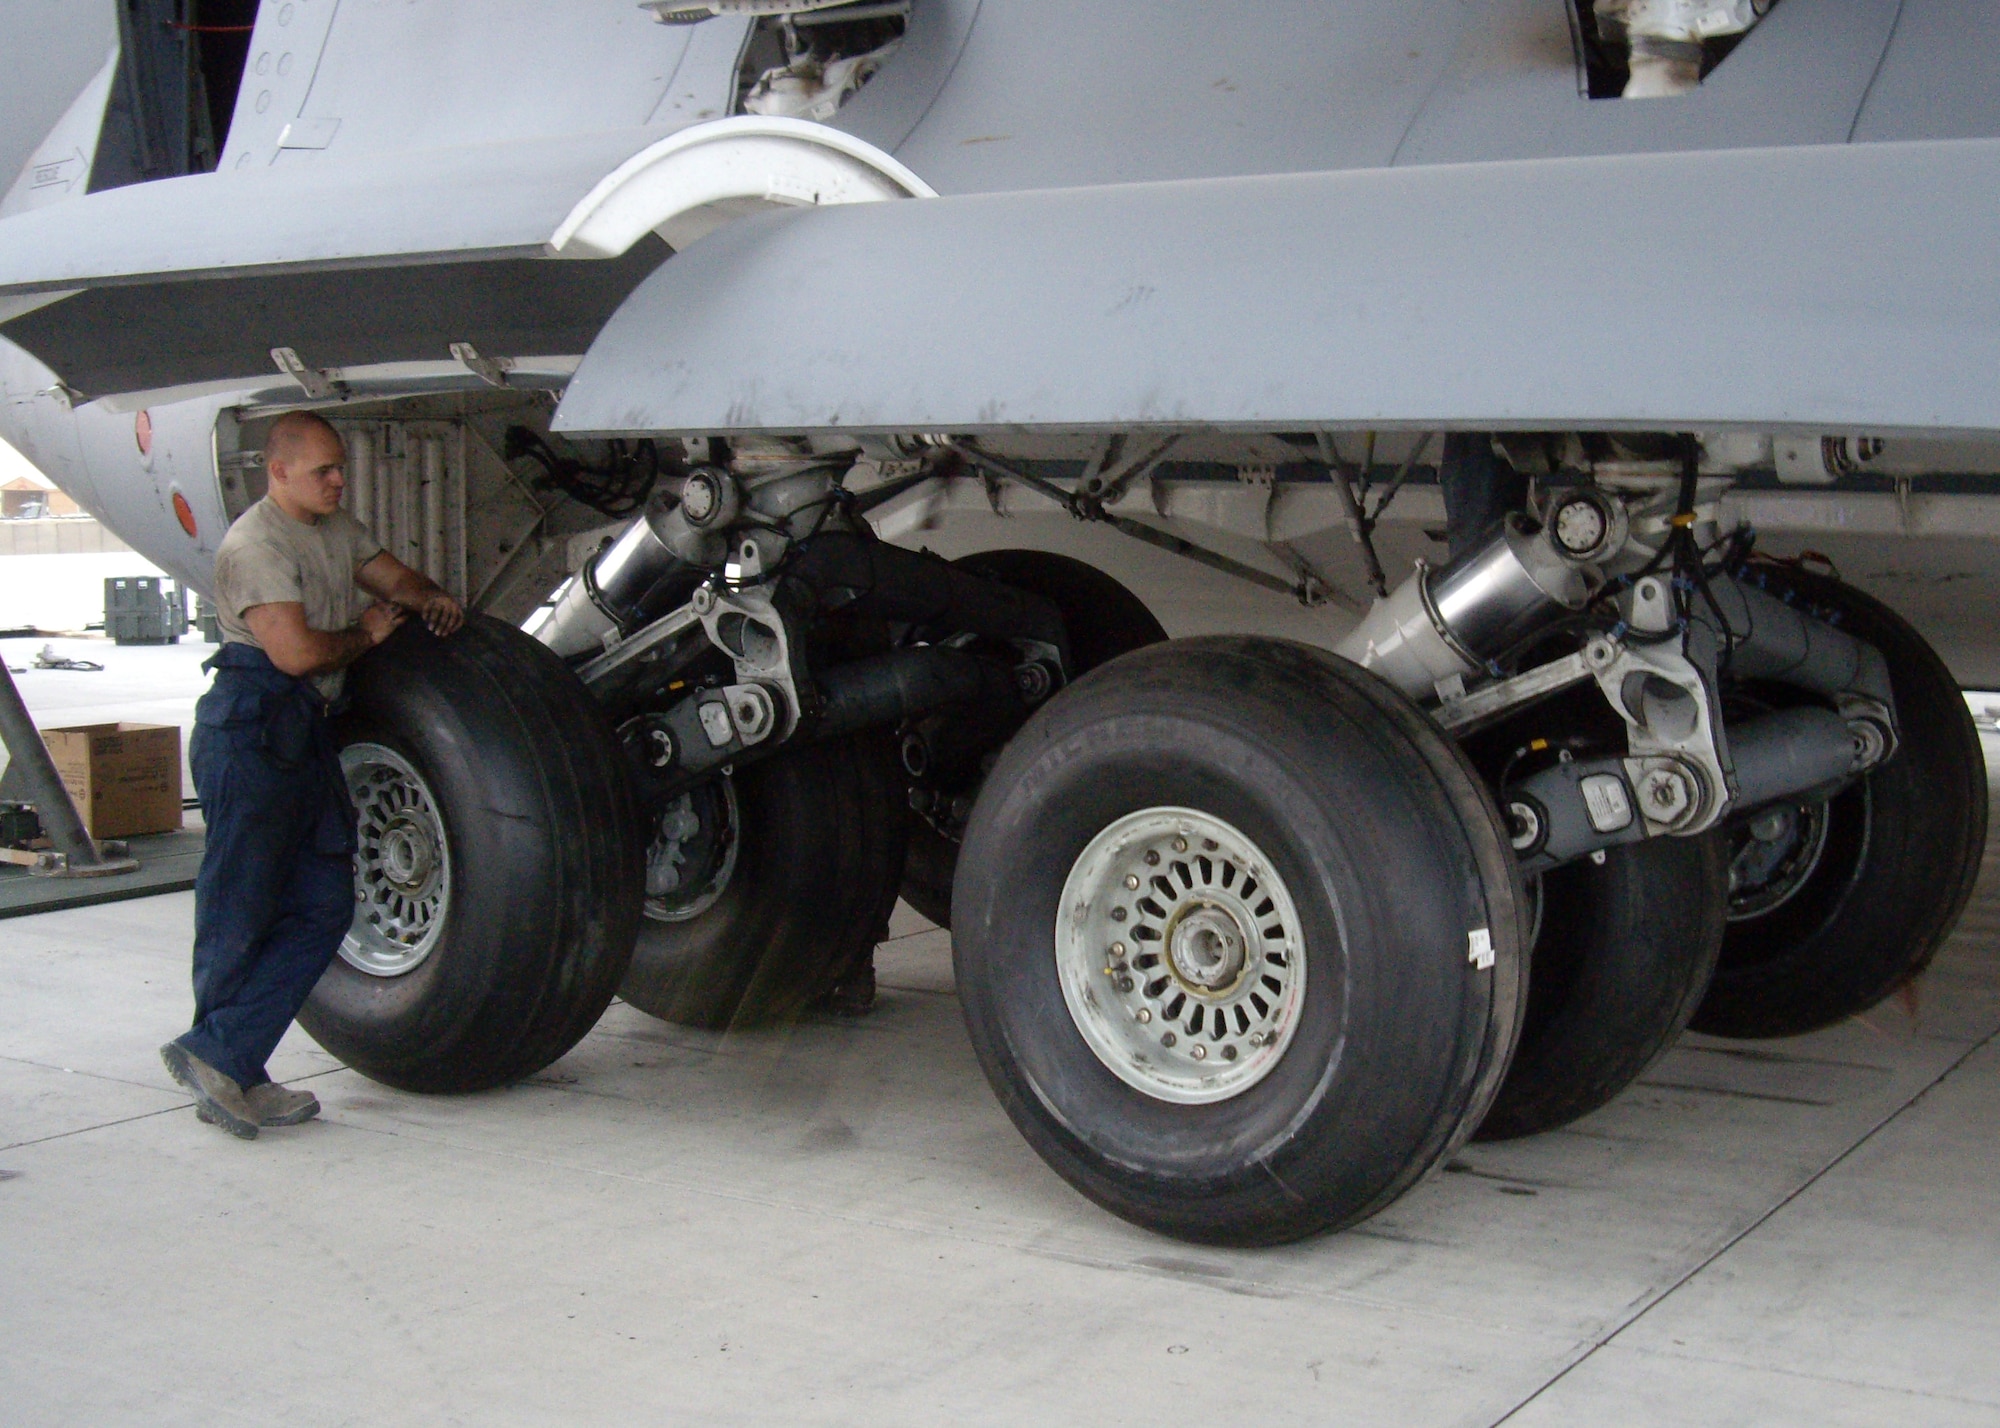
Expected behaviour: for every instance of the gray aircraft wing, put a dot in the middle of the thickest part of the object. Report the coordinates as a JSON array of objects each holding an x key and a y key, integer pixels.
[{"x": 1372, "y": 297}]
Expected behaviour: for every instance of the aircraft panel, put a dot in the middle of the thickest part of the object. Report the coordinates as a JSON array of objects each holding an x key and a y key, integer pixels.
[
  {"x": 392, "y": 76},
  {"x": 494, "y": 200},
  {"x": 1941, "y": 78},
  {"x": 171, "y": 335},
  {"x": 49, "y": 49},
  {"x": 1798, "y": 78},
  {"x": 1363, "y": 298},
  {"x": 1052, "y": 94}
]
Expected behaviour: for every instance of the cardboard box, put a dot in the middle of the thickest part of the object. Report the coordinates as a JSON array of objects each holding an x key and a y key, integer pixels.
[{"x": 125, "y": 778}]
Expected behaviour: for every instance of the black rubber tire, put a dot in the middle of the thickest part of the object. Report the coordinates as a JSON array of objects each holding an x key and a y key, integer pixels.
[
  {"x": 1378, "y": 826},
  {"x": 543, "y": 833},
  {"x": 819, "y": 856},
  {"x": 1903, "y": 849},
  {"x": 1623, "y": 958},
  {"x": 1104, "y": 620}
]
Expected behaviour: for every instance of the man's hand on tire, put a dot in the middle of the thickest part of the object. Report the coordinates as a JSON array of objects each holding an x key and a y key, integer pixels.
[
  {"x": 441, "y": 613},
  {"x": 379, "y": 621}
]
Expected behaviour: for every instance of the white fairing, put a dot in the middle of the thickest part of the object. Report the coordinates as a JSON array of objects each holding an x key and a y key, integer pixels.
[{"x": 687, "y": 186}]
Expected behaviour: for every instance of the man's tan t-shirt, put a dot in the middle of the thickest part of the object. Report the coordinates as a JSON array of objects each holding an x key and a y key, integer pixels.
[{"x": 268, "y": 558}]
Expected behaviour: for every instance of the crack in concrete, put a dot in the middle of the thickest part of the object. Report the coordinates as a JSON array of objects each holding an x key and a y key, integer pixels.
[{"x": 1647, "y": 1305}]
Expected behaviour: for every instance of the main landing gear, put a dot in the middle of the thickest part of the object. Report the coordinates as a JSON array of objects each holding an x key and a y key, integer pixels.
[{"x": 1249, "y": 935}]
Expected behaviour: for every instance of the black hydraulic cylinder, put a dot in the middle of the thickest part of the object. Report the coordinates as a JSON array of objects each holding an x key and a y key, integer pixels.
[
  {"x": 1789, "y": 754},
  {"x": 1580, "y": 807},
  {"x": 864, "y": 575},
  {"x": 887, "y": 689},
  {"x": 1772, "y": 640}
]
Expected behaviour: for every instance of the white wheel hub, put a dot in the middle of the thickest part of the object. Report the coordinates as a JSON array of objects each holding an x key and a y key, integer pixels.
[
  {"x": 1179, "y": 951},
  {"x": 402, "y": 868}
]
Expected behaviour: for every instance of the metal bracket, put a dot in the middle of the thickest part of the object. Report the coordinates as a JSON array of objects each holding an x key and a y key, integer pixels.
[
  {"x": 1672, "y": 737},
  {"x": 668, "y": 627},
  {"x": 490, "y": 370},
  {"x": 747, "y": 626},
  {"x": 1118, "y": 477},
  {"x": 1358, "y": 523},
  {"x": 992, "y": 484},
  {"x": 1469, "y": 711},
  {"x": 318, "y": 383},
  {"x": 1873, "y": 724}
]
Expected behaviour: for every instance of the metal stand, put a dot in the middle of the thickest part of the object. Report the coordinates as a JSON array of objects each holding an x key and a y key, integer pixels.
[{"x": 75, "y": 855}]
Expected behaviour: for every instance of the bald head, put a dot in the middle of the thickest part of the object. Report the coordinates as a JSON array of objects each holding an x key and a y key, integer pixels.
[
  {"x": 304, "y": 461},
  {"x": 293, "y": 431}
]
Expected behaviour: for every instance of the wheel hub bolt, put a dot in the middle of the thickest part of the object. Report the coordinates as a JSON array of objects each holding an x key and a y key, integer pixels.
[
  {"x": 1145, "y": 1015},
  {"x": 1169, "y": 1039},
  {"x": 1180, "y": 845},
  {"x": 1132, "y": 882}
]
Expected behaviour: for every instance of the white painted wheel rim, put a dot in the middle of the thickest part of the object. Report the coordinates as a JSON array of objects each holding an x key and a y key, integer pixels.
[
  {"x": 402, "y": 867},
  {"x": 1180, "y": 956}
]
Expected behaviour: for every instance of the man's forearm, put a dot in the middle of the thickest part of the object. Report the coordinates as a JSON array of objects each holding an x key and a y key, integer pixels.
[
  {"x": 336, "y": 649},
  {"x": 410, "y": 587}
]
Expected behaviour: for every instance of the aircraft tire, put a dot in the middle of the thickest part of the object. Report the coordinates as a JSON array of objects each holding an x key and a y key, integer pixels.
[
  {"x": 1375, "y": 1024},
  {"x": 1622, "y": 958},
  {"x": 806, "y": 895},
  {"x": 1896, "y": 852},
  {"x": 1104, "y": 620},
  {"x": 498, "y": 879}
]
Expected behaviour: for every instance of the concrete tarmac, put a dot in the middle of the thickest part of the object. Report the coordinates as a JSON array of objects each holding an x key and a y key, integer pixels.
[{"x": 835, "y": 1224}]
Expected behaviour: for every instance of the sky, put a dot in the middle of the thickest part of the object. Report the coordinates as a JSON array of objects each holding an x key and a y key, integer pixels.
[{"x": 13, "y": 465}]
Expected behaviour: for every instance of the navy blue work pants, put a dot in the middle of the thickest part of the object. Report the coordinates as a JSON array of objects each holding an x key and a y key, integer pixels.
[{"x": 275, "y": 893}]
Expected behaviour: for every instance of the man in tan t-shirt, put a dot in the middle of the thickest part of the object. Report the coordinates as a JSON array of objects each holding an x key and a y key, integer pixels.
[{"x": 275, "y": 893}]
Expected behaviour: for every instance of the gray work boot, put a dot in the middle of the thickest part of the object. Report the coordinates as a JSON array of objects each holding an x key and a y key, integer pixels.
[
  {"x": 217, "y": 1099},
  {"x": 276, "y": 1105},
  {"x": 272, "y": 1105}
]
